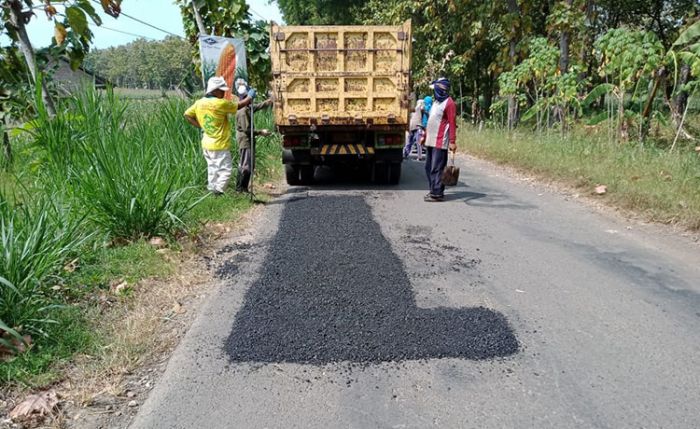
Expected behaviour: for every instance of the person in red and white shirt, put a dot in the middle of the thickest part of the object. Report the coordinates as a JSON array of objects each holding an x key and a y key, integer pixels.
[{"x": 441, "y": 136}]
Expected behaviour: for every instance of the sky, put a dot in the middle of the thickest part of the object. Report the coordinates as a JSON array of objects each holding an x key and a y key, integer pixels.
[{"x": 163, "y": 14}]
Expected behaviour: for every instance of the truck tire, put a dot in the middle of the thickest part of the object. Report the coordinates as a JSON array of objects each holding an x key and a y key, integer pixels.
[
  {"x": 394, "y": 173},
  {"x": 291, "y": 171},
  {"x": 306, "y": 172}
]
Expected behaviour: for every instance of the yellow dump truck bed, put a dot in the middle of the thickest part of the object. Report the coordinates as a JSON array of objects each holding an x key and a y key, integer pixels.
[{"x": 341, "y": 75}]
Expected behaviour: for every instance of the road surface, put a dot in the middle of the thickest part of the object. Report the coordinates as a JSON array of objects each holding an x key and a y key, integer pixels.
[{"x": 510, "y": 305}]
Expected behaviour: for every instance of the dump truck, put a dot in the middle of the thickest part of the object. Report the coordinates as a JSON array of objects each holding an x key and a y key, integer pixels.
[{"x": 341, "y": 97}]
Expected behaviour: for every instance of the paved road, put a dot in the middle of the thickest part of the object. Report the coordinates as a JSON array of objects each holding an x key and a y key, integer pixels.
[{"x": 509, "y": 306}]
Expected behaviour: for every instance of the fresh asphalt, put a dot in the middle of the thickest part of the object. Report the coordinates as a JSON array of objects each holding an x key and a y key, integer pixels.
[{"x": 507, "y": 306}]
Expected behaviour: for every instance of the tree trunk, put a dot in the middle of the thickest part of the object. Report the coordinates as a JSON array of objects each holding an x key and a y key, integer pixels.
[
  {"x": 198, "y": 19},
  {"x": 680, "y": 101},
  {"x": 513, "y": 8},
  {"x": 488, "y": 96},
  {"x": 17, "y": 20},
  {"x": 475, "y": 103},
  {"x": 646, "y": 112},
  {"x": 6, "y": 147},
  {"x": 564, "y": 46}
]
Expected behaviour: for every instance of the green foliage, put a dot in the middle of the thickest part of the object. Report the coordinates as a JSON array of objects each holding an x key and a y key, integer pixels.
[
  {"x": 687, "y": 48},
  {"x": 71, "y": 332},
  {"x": 147, "y": 64},
  {"x": 118, "y": 170},
  {"x": 35, "y": 238},
  {"x": 318, "y": 12},
  {"x": 628, "y": 56},
  {"x": 231, "y": 18},
  {"x": 72, "y": 35},
  {"x": 132, "y": 262}
]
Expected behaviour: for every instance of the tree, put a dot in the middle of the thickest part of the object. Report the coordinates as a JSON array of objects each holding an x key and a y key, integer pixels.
[
  {"x": 71, "y": 31},
  {"x": 320, "y": 12},
  {"x": 158, "y": 64},
  {"x": 231, "y": 18}
]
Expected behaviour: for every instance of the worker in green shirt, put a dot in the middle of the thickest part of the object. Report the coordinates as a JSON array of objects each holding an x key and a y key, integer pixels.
[{"x": 245, "y": 161}]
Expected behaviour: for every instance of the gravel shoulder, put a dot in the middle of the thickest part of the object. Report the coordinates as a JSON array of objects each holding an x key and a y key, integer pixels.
[{"x": 603, "y": 311}]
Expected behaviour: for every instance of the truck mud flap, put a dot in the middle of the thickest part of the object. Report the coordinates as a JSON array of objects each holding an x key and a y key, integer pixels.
[{"x": 389, "y": 155}]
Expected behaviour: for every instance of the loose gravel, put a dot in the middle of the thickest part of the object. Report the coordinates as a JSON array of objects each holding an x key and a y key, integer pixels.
[{"x": 332, "y": 290}]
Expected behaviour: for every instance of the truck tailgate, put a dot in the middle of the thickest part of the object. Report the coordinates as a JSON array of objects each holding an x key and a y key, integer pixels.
[{"x": 341, "y": 75}]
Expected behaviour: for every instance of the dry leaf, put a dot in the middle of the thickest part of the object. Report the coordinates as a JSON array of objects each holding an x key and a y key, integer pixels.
[
  {"x": 59, "y": 33},
  {"x": 41, "y": 404},
  {"x": 71, "y": 266},
  {"x": 178, "y": 309},
  {"x": 18, "y": 347},
  {"x": 601, "y": 189},
  {"x": 269, "y": 186},
  {"x": 697, "y": 149},
  {"x": 157, "y": 242},
  {"x": 119, "y": 286},
  {"x": 50, "y": 11}
]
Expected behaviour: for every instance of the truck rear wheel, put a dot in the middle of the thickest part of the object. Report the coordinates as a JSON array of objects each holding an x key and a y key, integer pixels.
[
  {"x": 306, "y": 172},
  {"x": 394, "y": 173},
  {"x": 291, "y": 171}
]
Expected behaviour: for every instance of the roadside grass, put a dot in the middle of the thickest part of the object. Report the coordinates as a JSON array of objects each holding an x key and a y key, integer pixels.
[
  {"x": 133, "y": 262},
  {"x": 93, "y": 186},
  {"x": 225, "y": 208},
  {"x": 661, "y": 185},
  {"x": 42, "y": 365}
]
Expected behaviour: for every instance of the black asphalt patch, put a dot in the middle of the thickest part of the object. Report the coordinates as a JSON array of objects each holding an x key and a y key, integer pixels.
[{"x": 332, "y": 290}]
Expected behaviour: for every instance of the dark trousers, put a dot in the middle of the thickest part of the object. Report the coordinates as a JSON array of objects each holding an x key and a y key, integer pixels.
[
  {"x": 435, "y": 164},
  {"x": 244, "y": 169}
]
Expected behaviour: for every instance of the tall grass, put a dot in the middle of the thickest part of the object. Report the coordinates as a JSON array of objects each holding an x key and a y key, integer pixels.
[
  {"x": 35, "y": 239},
  {"x": 662, "y": 185},
  {"x": 132, "y": 175},
  {"x": 268, "y": 150}
]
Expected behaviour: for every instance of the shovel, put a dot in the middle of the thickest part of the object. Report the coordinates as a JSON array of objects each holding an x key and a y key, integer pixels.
[{"x": 450, "y": 176}]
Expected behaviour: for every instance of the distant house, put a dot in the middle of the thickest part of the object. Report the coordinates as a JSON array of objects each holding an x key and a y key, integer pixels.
[{"x": 68, "y": 80}]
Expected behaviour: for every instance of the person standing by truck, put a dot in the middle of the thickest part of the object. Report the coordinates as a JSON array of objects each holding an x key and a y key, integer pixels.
[
  {"x": 415, "y": 132},
  {"x": 441, "y": 136},
  {"x": 243, "y": 125},
  {"x": 211, "y": 115}
]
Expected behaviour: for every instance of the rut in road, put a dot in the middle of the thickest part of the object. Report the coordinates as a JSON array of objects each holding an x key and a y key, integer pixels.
[{"x": 331, "y": 290}]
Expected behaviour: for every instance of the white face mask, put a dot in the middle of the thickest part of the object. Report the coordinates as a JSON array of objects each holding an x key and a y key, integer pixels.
[{"x": 242, "y": 90}]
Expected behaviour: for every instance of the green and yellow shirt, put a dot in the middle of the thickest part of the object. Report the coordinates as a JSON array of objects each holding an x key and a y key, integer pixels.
[{"x": 212, "y": 115}]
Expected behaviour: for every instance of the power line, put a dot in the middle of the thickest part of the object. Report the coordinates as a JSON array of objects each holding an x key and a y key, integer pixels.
[
  {"x": 143, "y": 22},
  {"x": 125, "y": 32},
  {"x": 255, "y": 12}
]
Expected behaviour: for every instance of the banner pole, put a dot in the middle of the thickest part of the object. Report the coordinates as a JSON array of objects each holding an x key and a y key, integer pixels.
[{"x": 252, "y": 150}]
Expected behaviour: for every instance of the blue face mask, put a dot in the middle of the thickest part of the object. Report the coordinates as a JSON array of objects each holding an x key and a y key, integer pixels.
[
  {"x": 441, "y": 94},
  {"x": 441, "y": 87}
]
